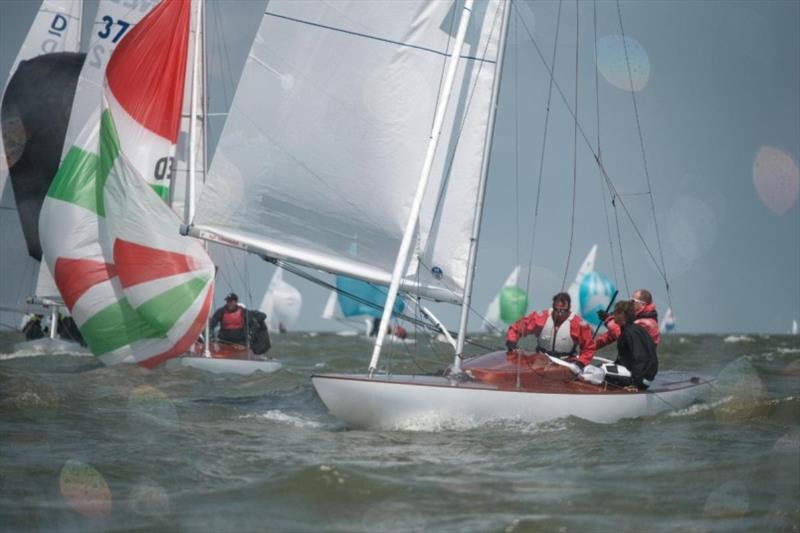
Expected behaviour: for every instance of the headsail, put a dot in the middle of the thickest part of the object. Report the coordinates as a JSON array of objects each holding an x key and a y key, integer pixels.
[
  {"x": 137, "y": 291},
  {"x": 586, "y": 267},
  {"x": 508, "y": 306},
  {"x": 328, "y": 132}
]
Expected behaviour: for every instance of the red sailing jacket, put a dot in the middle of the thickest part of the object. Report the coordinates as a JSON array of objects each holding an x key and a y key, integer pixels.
[
  {"x": 646, "y": 317},
  {"x": 579, "y": 330}
]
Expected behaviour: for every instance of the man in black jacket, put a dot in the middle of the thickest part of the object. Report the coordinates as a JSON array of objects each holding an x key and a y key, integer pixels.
[
  {"x": 241, "y": 326},
  {"x": 636, "y": 351}
]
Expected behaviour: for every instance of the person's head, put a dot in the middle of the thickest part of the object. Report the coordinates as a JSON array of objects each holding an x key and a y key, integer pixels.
[
  {"x": 624, "y": 312},
  {"x": 640, "y": 298},
  {"x": 561, "y": 306},
  {"x": 231, "y": 301}
]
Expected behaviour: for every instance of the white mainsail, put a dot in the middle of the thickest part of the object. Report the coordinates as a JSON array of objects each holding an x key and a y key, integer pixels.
[
  {"x": 586, "y": 267},
  {"x": 56, "y": 28},
  {"x": 328, "y": 131},
  {"x": 282, "y": 302}
]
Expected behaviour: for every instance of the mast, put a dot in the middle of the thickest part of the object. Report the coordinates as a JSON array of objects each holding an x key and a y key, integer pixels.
[
  {"x": 190, "y": 184},
  {"x": 411, "y": 226},
  {"x": 476, "y": 223}
]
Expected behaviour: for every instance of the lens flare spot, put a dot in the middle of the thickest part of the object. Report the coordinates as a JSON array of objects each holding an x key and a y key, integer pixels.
[
  {"x": 692, "y": 228},
  {"x": 149, "y": 499},
  {"x": 776, "y": 178},
  {"x": 146, "y": 403},
  {"x": 742, "y": 393},
  {"x": 85, "y": 490},
  {"x": 613, "y": 65}
]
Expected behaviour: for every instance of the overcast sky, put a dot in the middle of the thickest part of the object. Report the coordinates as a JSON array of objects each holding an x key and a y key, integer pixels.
[{"x": 717, "y": 85}]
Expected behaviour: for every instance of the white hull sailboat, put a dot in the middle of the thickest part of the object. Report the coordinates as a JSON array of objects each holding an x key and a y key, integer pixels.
[
  {"x": 389, "y": 401},
  {"x": 412, "y": 89}
]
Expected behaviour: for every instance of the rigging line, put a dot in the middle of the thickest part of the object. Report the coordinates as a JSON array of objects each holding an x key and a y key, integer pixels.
[
  {"x": 544, "y": 138},
  {"x": 516, "y": 142},
  {"x": 574, "y": 150},
  {"x": 644, "y": 156},
  {"x": 619, "y": 239},
  {"x": 599, "y": 151},
  {"x": 591, "y": 149}
]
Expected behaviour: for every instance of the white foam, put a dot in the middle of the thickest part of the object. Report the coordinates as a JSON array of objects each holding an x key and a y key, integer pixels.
[
  {"x": 277, "y": 415},
  {"x": 738, "y": 338}
]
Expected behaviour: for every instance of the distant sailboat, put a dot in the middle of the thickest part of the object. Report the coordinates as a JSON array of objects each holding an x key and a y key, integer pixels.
[
  {"x": 794, "y": 329},
  {"x": 281, "y": 303},
  {"x": 33, "y": 128},
  {"x": 509, "y": 305},
  {"x": 668, "y": 322}
]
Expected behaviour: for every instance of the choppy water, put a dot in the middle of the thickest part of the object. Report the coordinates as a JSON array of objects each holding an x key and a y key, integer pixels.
[{"x": 93, "y": 448}]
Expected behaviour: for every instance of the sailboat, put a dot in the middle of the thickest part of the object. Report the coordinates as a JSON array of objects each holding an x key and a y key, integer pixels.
[
  {"x": 282, "y": 303},
  {"x": 33, "y": 129},
  {"x": 379, "y": 98},
  {"x": 508, "y": 305},
  {"x": 668, "y": 322},
  {"x": 794, "y": 330},
  {"x": 358, "y": 305}
]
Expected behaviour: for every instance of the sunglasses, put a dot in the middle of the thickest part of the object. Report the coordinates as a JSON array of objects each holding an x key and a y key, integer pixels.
[{"x": 560, "y": 311}]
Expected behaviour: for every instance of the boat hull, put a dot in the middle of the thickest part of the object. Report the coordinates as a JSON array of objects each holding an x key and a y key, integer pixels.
[
  {"x": 395, "y": 401},
  {"x": 226, "y": 359}
]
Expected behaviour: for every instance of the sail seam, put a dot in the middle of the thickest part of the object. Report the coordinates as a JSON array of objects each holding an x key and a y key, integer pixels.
[{"x": 375, "y": 37}]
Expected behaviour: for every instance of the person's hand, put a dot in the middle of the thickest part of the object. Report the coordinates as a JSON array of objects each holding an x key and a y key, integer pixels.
[
  {"x": 602, "y": 315},
  {"x": 511, "y": 346}
]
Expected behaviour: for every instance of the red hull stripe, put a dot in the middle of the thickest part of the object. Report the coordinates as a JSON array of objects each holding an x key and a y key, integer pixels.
[
  {"x": 185, "y": 342},
  {"x": 74, "y": 277},
  {"x": 138, "y": 264},
  {"x": 147, "y": 70}
]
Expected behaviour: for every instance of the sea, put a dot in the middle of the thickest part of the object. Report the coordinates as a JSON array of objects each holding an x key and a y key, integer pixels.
[{"x": 86, "y": 447}]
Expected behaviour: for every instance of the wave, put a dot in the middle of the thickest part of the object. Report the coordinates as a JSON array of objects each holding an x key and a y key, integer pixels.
[
  {"x": 738, "y": 338},
  {"x": 277, "y": 415}
]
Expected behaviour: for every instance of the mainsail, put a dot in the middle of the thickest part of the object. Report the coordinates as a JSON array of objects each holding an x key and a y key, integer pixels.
[
  {"x": 328, "y": 132},
  {"x": 137, "y": 291},
  {"x": 55, "y": 30},
  {"x": 281, "y": 303}
]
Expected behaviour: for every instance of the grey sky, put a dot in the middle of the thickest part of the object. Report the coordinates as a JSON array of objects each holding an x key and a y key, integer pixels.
[{"x": 724, "y": 80}]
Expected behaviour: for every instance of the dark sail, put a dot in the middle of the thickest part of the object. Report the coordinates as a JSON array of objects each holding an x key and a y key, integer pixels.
[{"x": 34, "y": 118}]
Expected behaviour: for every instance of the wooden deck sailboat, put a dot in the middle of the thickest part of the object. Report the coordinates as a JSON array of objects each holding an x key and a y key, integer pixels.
[{"x": 337, "y": 112}]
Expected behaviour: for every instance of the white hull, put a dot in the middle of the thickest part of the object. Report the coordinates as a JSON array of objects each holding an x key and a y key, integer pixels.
[
  {"x": 225, "y": 366},
  {"x": 397, "y": 400}
]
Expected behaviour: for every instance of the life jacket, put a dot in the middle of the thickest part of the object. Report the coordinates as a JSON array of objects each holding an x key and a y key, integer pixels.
[
  {"x": 233, "y": 320},
  {"x": 557, "y": 342}
]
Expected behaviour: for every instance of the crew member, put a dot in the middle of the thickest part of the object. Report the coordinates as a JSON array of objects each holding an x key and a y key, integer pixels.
[
  {"x": 646, "y": 317},
  {"x": 560, "y": 333},
  {"x": 637, "y": 362}
]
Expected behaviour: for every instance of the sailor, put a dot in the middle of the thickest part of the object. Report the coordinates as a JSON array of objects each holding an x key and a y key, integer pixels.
[
  {"x": 235, "y": 323},
  {"x": 637, "y": 362},
  {"x": 33, "y": 327},
  {"x": 646, "y": 317},
  {"x": 560, "y": 333}
]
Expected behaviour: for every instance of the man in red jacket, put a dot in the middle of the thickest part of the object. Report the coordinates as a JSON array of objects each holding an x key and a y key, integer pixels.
[
  {"x": 560, "y": 333},
  {"x": 646, "y": 317}
]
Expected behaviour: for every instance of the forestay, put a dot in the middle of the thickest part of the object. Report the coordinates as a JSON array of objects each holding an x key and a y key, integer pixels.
[
  {"x": 327, "y": 134},
  {"x": 138, "y": 291}
]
